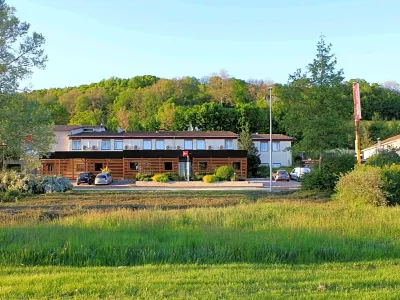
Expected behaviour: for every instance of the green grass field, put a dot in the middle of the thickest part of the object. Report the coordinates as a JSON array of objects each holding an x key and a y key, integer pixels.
[{"x": 255, "y": 246}]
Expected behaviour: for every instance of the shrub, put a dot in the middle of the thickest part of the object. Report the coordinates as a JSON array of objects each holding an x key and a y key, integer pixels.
[
  {"x": 225, "y": 172},
  {"x": 383, "y": 158},
  {"x": 51, "y": 184},
  {"x": 200, "y": 175},
  {"x": 11, "y": 196},
  {"x": 362, "y": 186},
  {"x": 391, "y": 184},
  {"x": 324, "y": 178},
  {"x": 173, "y": 176},
  {"x": 144, "y": 177},
  {"x": 210, "y": 178},
  {"x": 160, "y": 178}
]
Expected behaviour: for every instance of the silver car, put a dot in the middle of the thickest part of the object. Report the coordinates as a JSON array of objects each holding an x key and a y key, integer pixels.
[
  {"x": 103, "y": 178},
  {"x": 282, "y": 175}
]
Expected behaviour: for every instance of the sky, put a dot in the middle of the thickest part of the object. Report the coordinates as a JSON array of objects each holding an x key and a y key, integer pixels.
[{"x": 91, "y": 40}]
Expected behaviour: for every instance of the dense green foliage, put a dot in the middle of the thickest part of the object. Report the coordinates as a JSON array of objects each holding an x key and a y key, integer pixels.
[
  {"x": 225, "y": 172},
  {"x": 325, "y": 176},
  {"x": 383, "y": 158},
  {"x": 391, "y": 183}
]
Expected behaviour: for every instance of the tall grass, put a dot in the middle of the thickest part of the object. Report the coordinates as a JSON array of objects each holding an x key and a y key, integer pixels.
[{"x": 285, "y": 232}]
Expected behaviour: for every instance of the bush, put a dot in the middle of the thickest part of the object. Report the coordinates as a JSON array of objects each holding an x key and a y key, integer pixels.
[
  {"x": 210, "y": 178},
  {"x": 362, "y": 186},
  {"x": 106, "y": 170},
  {"x": 58, "y": 184},
  {"x": 173, "y": 176},
  {"x": 160, "y": 178},
  {"x": 144, "y": 177},
  {"x": 11, "y": 196},
  {"x": 391, "y": 184},
  {"x": 225, "y": 172},
  {"x": 326, "y": 177},
  {"x": 200, "y": 175},
  {"x": 383, "y": 158}
]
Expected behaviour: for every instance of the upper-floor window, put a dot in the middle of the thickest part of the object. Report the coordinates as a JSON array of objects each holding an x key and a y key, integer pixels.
[
  {"x": 188, "y": 144},
  {"x": 105, "y": 145},
  {"x": 264, "y": 146},
  {"x": 159, "y": 144},
  {"x": 229, "y": 144},
  {"x": 147, "y": 144},
  {"x": 201, "y": 145},
  {"x": 276, "y": 146},
  {"x": 118, "y": 145},
  {"x": 76, "y": 144}
]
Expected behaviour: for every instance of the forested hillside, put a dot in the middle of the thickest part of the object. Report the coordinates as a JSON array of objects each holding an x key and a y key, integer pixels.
[{"x": 217, "y": 102}]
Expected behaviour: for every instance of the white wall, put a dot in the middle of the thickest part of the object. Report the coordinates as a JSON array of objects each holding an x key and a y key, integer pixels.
[
  {"x": 61, "y": 141},
  {"x": 173, "y": 143},
  {"x": 283, "y": 157}
]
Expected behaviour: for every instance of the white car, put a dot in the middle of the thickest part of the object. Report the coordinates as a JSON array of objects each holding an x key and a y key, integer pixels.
[
  {"x": 298, "y": 173},
  {"x": 103, "y": 178}
]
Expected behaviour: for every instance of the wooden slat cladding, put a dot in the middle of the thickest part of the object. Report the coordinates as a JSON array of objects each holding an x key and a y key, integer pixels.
[
  {"x": 133, "y": 166},
  {"x": 210, "y": 164}
]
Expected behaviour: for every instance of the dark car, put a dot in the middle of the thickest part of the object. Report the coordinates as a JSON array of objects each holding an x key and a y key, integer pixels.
[
  {"x": 85, "y": 178},
  {"x": 282, "y": 175}
]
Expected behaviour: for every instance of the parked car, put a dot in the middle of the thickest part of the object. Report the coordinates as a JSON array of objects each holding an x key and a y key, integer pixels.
[
  {"x": 103, "y": 178},
  {"x": 282, "y": 175},
  {"x": 85, "y": 178},
  {"x": 298, "y": 173}
]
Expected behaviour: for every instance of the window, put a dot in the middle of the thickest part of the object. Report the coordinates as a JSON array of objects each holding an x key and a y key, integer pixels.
[
  {"x": 105, "y": 145},
  {"x": 276, "y": 146},
  {"x": 118, "y": 145},
  {"x": 168, "y": 166},
  {"x": 229, "y": 144},
  {"x": 203, "y": 165},
  {"x": 188, "y": 145},
  {"x": 147, "y": 144},
  {"x": 201, "y": 145},
  {"x": 264, "y": 147},
  {"x": 50, "y": 167},
  {"x": 236, "y": 165},
  {"x": 159, "y": 144},
  {"x": 98, "y": 167},
  {"x": 134, "y": 166},
  {"x": 276, "y": 165},
  {"x": 76, "y": 145}
]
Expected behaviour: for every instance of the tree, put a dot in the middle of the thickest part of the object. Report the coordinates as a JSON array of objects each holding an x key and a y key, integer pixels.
[
  {"x": 253, "y": 157},
  {"x": 220, "y": 87},
  {"x": 87, "y": 117},
  {"x": 20, "y": 51},
  {"x": 25, "y": 128},
  {"x": 318, "y": 113},
  {"x": 166, "y": 115},
  {"x": 123, "y": 118}
]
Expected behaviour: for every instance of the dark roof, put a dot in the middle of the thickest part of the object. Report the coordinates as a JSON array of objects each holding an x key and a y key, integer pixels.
[
  {"x": 265, "y": 136},
  {"x": 156, "y": 134},
  {"x": 147, "y": 154},
  {"x": 72, "y": 127}
]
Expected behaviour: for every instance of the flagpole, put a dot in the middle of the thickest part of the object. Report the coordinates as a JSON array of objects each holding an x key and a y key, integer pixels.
[{"x": 357, "y": 117}]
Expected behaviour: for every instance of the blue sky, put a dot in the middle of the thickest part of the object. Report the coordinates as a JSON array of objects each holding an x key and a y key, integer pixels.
[{"x": 91, "y": 40}]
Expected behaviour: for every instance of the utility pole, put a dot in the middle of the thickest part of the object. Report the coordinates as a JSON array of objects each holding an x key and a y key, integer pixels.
[
  {"x": 270, "y": 139},
  {"x": 357, "y": 117}
]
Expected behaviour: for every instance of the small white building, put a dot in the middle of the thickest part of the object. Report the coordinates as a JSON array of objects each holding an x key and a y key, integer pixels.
[
  {"x": 388, "y": 144},
  {"x": 281, "y": 149}
]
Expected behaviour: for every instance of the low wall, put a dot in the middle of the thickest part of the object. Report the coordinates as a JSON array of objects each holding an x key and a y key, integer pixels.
[{"x": 200, "y": 184}]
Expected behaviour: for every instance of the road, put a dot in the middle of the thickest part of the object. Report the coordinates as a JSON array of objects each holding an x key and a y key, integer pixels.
[{"x": 130, "y": 186}]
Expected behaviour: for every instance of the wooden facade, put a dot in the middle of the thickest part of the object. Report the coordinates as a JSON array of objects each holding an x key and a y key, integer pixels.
[{"x": 127, "y": 164}]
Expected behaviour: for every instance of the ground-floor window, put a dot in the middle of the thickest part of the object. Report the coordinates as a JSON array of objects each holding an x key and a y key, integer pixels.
[
  {"x": 50, "y": 167},
  {"x": 236, "y": 165},
  {"x": 133, "y": 166},
  {"x": 98, "y": 167},
  {"x": 203, "y": 165},
  {"x": 168, "y": 166}
]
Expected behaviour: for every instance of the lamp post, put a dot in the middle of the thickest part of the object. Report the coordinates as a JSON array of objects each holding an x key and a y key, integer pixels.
[{"x": 270, "y": 139}]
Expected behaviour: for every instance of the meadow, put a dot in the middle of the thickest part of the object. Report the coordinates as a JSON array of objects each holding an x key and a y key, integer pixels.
[{"x": 248, "y": 246}]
